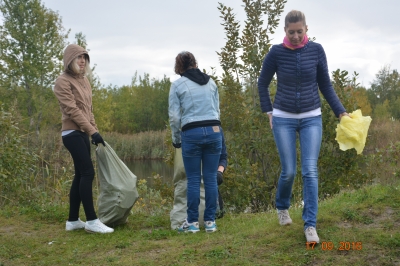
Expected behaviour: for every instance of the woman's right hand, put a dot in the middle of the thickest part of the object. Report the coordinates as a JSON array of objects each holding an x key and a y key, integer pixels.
[
  {"x": 270, "y": 120},
  {"x": 97, "y": 139},
  {"x": 343, "y": 114}
]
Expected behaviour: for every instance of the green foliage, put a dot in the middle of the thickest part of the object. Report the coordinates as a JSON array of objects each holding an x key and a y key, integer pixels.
[
  {"x": 338, "y": 169},
  {"x": 17, "y": 163},
  {"x": 80, "y": 39},
  {"x": 152, "y": 201},
  {"x": 361, "y": 97},
  {"x": 385, "y": 93},
  {"x": 381, "y": 110},
  {"x": 253, "y": 160},
  {"x": 103, "y": 107},
  {"x": 142, "y": 106},
  {"x": 143, "y": 145},
  {"x": 32, "y": 39}
]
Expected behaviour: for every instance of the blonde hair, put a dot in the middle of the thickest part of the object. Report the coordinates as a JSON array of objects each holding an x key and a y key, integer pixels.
[
  {"x": 73, "y": 66},
  {"x": 295, "y": 16}
]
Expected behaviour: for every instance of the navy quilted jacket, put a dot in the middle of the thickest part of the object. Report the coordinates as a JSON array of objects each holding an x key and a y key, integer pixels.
[{"x": 299, "y": 73}]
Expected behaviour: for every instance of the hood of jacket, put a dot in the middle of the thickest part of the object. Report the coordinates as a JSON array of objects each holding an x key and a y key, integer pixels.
[
  {"x": 71, "y": 52},
  {"x": 195, "y": 75}
]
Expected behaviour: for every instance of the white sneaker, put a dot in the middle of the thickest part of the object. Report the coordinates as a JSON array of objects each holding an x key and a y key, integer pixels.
[
  {"x": 210, "y": 226},
  {"x": 189, "y": 227},
  {"x": 75, "y": 225},
  {"x": 284, "y": 218},
  {"x": 96, "y": 226},
  {"x": 311, "y": 234}
]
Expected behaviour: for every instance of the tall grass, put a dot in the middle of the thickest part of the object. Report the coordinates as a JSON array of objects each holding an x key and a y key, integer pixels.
[
  {"x": 382, "y": 151},
  {"x": 381, "y": 134},
  {"x": 49, "y": 176},
  {"x": 143, "y": 145},
  {"x": 50, "y": 181}
]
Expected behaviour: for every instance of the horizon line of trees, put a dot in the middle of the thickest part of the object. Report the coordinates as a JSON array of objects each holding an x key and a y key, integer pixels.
[{"x": 32, "y": 39}]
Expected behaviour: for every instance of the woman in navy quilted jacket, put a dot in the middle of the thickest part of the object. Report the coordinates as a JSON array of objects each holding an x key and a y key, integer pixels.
[{"x": 301, "y": 69}]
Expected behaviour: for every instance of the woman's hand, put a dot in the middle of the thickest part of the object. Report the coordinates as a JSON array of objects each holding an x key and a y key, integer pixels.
[
  {"x": 97, "y": 139},
  {"x": 270, "y": 120},
  {"x": 343, "y": 114}
]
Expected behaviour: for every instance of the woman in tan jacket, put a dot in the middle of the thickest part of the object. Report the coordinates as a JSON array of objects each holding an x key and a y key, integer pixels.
[{"x": 74, "y": 95}]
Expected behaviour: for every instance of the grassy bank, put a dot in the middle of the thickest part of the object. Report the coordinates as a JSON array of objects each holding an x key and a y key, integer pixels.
[{"x": 364, "y": 223}]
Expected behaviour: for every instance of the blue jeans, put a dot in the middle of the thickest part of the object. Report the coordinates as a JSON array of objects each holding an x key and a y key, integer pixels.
[
  {"x": 201, "y": 149},
  {"x": 310, "y": 134}
]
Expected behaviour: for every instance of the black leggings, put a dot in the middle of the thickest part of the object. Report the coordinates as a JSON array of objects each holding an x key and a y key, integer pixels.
[{"x": 77, "y": 143}]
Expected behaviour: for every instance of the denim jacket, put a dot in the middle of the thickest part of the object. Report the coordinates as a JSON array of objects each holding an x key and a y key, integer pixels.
[{"x": 190, "y": 102}]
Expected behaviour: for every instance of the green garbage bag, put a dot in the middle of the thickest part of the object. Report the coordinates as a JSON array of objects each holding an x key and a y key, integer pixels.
[
  {"x": 178, "y": 212},
  {"x": 118, "y": 191}
]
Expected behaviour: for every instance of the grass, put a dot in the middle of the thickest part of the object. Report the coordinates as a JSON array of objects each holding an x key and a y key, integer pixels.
[{"x": 365, "y": 223}]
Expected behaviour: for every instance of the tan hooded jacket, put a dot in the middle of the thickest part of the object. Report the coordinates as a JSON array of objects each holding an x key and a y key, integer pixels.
[{"x": 74, "y": 95}]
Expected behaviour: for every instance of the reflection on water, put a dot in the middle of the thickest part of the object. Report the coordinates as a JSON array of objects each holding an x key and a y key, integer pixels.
[{"x": 146, "y": 169}]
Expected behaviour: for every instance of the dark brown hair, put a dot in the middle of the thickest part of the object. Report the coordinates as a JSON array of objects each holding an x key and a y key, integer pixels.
[
  {"x": 183, "y": 61},
  {"x": 295, "y": 16}
]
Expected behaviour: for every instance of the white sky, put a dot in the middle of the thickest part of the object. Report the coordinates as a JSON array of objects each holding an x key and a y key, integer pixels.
[{"x": 145, "y": 36}]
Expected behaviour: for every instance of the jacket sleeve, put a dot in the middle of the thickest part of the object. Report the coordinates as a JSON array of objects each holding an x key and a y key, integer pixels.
[
  {"x": 223, "y": 158},
  {"x": 92, "y": 121},
  {"x": 217, "y": 97},
  {"x": 325, "y": 84},
  {"x": 63, "y": 92},
  {"x": 267, "y": 73},
  {"x": 174, "y": 113}
]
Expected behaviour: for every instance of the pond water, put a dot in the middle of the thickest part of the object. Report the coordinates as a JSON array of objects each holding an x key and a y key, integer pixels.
[{"x": 146, "y": 169}]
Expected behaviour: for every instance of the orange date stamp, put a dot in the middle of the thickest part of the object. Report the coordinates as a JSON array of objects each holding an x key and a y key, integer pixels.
[{"x": 342, "y": 246}]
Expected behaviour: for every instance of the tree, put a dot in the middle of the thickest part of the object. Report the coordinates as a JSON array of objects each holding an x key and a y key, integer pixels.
[
  {"x": 32, "y": 40},
  {"x": 338, "y": 169},
  {"x": 141, "y": 106},
  {"x": 361, "y": 96},
  {"x": 253, "y": 166},
  {"x": 386, "y": 86}
]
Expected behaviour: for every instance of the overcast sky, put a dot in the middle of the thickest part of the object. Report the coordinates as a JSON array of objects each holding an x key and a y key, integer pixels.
[{"x": 145, "y": 36}]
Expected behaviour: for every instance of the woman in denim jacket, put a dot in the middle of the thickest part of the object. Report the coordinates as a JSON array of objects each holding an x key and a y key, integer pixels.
[{"x": 194, "y": 118}]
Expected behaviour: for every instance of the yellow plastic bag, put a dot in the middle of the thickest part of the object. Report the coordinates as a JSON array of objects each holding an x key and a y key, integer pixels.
[{"x": 352, "y": 131}]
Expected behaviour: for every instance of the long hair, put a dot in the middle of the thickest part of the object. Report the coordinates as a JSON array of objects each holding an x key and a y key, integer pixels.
[
  {"x": 73, "y": 66},
  {"x": 184, "y": 61}
]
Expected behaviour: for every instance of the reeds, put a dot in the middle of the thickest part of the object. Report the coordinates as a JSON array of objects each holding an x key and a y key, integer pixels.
[{"x": 143, "y": 145}]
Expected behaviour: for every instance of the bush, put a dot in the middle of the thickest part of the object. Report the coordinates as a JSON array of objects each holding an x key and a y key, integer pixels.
[{"x": 17, "y": 163}]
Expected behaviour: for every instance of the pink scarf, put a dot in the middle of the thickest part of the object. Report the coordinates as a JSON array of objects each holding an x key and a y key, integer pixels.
[{"x": 287, "y": 43}]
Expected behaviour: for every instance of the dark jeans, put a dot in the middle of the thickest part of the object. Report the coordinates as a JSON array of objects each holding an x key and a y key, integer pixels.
[
  {"x": 201, "y": 149},
  {"x": 77, "y": 143}
]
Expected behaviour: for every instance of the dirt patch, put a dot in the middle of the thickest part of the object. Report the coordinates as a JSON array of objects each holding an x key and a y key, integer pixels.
[{"x": 373, "y": 219}]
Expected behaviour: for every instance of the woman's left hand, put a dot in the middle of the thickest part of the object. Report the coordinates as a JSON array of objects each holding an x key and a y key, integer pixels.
[{"x": 343, "y": 114}]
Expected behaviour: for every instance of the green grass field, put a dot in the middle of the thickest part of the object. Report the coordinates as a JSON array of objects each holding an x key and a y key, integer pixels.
[{"x": 355, "y": 227}]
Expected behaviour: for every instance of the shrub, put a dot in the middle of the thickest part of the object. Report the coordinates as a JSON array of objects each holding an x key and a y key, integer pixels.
[{"x": 17, "y": 163}]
